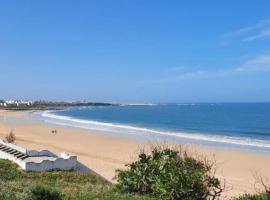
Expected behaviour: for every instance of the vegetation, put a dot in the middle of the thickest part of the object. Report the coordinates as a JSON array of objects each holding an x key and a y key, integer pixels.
[
  {"x": 10, "y": 138},
  {"x": 40, "y": 192},
  {"x": 254, "y": 197},
  {"x": 50, "y": 105},
  {"x": 16, "y": 184},
  {"x": 263, "y": 195},
  {"x": 163, "y": 174},
  {"x": 170, "y": 175}
]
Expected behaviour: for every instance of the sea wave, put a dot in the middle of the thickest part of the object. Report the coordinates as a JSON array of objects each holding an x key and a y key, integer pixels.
[{"x": 51, "y": 117}]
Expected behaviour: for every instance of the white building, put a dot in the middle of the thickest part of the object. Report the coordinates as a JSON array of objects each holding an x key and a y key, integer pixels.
[
  {"x": 31, "y": 160},
  {"x": 16, "y": 103},
  {"x": 3, "y": 105}
]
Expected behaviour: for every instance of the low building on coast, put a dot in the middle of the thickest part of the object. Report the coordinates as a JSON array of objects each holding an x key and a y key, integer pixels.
[
  {"x": 15, "y": 103},
  {"x": 32, "y": 160}
]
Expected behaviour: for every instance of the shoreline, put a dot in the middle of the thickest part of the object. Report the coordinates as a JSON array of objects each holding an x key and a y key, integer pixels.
[
  {"x": 131, "y": 131},
  {"x": 105, "y": 153}
]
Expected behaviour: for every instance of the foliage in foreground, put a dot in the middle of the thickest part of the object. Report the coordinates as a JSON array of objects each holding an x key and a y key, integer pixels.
[
  {"x": 265, "y": 195},
  {"x": 40, "y": 192},
  {"x": 164, "y": 174},
  {"x": 16, "y": 184},
  {"x": 170, "y": 175},
  {"x": 254, "y": 197}
]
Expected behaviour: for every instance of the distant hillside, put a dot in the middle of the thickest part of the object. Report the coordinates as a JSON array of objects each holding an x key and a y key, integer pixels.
[{"x": 46, "y": 105}]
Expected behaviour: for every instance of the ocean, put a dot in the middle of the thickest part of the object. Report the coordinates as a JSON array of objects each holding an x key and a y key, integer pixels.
[{"x": 243, "y": 126}]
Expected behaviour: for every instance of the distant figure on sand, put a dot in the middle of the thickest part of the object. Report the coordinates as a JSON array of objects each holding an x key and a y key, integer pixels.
[{"x": 54, "y": 131}]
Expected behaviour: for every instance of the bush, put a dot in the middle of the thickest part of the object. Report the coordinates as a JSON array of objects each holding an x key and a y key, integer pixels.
[
  {"x": 40, "y": 192},
  {"x": 264, "y": 193},
  {"x": 169, "y": 174},
  {"x": 8, "y": 171},
  {"x": 254, "y": 197},
  {"x": 14, "y": 185},
  {"x": 10, "y": 138}
]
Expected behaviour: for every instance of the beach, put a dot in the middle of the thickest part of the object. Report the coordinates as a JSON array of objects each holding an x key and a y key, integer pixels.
[{"x": 104, "y": 153}]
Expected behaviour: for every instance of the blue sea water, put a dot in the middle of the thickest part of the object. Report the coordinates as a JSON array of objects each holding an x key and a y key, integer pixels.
[{"x": 229, "y": 125}]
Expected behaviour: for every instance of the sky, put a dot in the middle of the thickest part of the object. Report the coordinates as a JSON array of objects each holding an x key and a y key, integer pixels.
[{"x": 135, "y": 50}]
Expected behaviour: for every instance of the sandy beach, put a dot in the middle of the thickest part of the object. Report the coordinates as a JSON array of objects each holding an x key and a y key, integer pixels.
[{"x": 105, "y": 153}]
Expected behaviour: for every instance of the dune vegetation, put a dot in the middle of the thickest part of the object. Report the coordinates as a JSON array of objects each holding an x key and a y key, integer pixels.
[
  {"x": 17, "y": 184},
  {"x": 162, "y": 173}
]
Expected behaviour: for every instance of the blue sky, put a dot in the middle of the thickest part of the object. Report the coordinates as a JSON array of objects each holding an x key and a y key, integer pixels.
[{"x": 135, "y": 51}]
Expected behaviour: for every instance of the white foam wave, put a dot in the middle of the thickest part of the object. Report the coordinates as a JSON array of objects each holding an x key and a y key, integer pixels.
[
  {"x": 187, "y": 104},
  {"x": 126, "y": 129}
]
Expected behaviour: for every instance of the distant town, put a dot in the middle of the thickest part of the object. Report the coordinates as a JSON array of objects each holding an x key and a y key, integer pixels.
[{"x": 45, "y": 105}]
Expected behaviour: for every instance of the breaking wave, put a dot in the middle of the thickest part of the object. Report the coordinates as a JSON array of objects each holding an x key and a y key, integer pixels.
[{"x": 50, "y": 117}]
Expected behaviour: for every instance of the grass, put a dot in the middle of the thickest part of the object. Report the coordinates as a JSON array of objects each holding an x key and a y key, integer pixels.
[
  {"x": 14, "y": 183},
  {"x": 254, "y": 197},
  {"x": 164, "y": 174}
]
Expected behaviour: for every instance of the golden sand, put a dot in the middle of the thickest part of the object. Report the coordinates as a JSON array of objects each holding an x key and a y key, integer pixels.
[{"x": 105, "y": 153}]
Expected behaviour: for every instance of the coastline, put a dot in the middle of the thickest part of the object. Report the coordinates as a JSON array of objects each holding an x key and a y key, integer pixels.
[
  {"x": 104, "y": 153},
  {"x": 247, "y": 136}
]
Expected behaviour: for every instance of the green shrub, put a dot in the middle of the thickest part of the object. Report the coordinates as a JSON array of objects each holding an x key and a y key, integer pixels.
[
  {"x": 7, "y": 195},
  {"x": 169, "y": 174},
  {"x": 8, "y": 171},
  {"x": 14, "y": 185},
  {"x": 264, "y": 194},
  {"x": 40, "y": 192},
  {"x": 254, "y": 197}
]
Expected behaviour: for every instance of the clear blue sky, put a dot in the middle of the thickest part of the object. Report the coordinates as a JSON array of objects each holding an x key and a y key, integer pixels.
[{"x": 135, "y": 51}]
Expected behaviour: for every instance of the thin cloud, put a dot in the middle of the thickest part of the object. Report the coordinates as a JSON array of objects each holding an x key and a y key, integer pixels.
[
  {"x": 263, "y": 34},
  {"x": 250, "y": 33},
  {"x": 255, "y": 65},
  {"x": 248, "y": 29}
]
